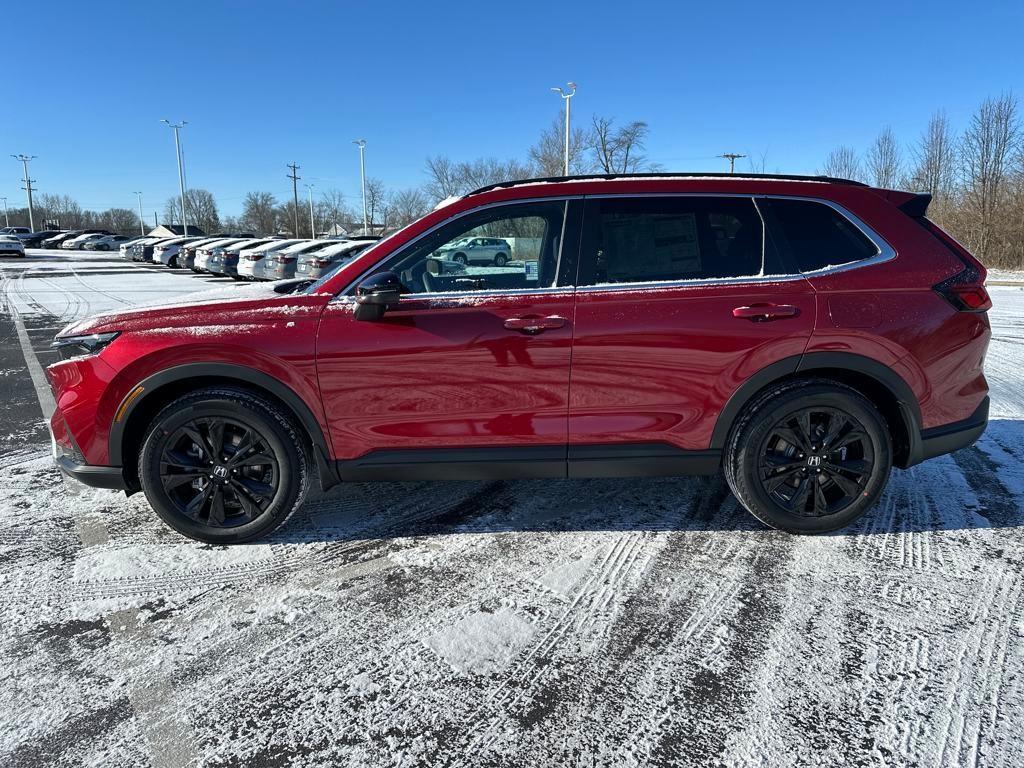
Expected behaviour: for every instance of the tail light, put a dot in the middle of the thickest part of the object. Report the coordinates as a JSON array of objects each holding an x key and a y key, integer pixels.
[
  {"x": 319, "y": 262},
  {"x": 966, "y": 290},
  {"x": 285, "y": 259}
]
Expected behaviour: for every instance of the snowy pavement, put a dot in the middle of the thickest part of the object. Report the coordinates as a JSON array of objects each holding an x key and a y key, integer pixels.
[{"x": 541, "y": 623}]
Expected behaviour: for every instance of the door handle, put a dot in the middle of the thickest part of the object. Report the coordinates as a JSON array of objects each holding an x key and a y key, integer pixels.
[
  {"x": 760, "y": 313},
  {"x": 533, "y": 325}
]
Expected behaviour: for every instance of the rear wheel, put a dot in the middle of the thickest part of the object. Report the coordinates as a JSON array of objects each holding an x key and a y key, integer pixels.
[
  {"x": 809, "y": 457},
  {"x": 500, "y": 260},
  {"x": 223, "y": 466}
]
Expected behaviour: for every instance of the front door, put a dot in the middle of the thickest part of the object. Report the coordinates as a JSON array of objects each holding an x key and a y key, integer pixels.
[
  {"x": 469, "y": 375},
  {"x": 676, "y": 308}
]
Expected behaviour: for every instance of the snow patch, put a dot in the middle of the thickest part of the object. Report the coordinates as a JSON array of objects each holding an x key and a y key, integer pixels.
[
  {"x": 482, "y": 643},
  {"x": 106, "y": 562}
]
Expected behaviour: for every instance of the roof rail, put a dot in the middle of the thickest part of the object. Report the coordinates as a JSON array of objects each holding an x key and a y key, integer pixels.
[{"x": 667, "y": 175}]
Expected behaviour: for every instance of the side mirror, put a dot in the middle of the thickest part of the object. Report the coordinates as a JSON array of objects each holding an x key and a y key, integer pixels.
[{"x": 377, "y": 294}]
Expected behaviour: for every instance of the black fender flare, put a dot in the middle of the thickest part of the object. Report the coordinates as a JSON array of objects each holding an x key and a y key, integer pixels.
[
  {"x": 243, "y": 375},
  {"x": 909, "y": 407}
]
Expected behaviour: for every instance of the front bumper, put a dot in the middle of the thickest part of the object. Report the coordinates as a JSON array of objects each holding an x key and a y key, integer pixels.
[{"x": 69, "y": 460}]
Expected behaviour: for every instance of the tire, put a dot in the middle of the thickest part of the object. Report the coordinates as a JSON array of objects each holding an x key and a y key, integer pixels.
[
  {"x": 460, "y": 258},
  {"x": 501, "y": 260},
  {"x": 102, "y": 247},
  {"x": 255, "y": 497},
  {"x": 776, "y": 471},
  {"x": 173, "y": 263}
]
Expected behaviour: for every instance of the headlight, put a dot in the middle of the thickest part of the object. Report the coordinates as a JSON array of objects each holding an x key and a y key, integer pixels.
[{"x": 74, "y": 346}]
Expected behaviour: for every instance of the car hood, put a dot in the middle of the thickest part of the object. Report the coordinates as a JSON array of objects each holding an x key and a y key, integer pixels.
[{"x": 230, "y": 305}]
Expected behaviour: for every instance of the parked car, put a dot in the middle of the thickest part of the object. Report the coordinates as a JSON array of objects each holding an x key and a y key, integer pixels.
[
  {"x": 478, "y": 250},
  {"x": 11, "y": 245},
  {"x": 105, "y": 242},
  {"x": 281, "y": 264},
  {"x": 126, "y": 248},
  {"x": 144, "y": 251},
  {"x": 56, "y": 240},
  {"x": 167, "y": 253},
  {"x": 77, "y": 243},
  {"x": 316, "y": 264},
  {"x": 855, "y": 342},
  {"x": 15, "y": 231},
  {"x": 251, "y": 261},
  {"x": 224, "y": 261},
  {"x": 35, "y": 239},
  {"x": 187, "y": 255}
]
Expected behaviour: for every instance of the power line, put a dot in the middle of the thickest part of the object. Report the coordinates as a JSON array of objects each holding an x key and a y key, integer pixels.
[
  {"x": 25, "y": 159},
  {"x": 295, "y": 194},
  {"x": 732, "y": 157}
]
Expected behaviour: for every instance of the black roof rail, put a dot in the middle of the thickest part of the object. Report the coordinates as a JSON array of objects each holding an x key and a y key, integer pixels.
[{"x": 667, "y": 175}]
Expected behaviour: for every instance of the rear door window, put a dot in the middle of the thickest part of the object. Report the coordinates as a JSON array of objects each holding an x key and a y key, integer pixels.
[
  {"x": 817, "y": 236},
  {"x": 656, "y": 239}
]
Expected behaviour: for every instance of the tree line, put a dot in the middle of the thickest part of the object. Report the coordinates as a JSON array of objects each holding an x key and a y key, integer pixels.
[{"x": 975, "y": 177}]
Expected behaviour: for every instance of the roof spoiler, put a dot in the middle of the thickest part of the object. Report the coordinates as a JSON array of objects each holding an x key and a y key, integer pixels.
[{"x": 915, "y": 205}]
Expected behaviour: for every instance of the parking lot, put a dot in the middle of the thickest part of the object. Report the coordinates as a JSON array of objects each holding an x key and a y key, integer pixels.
[{"x": 532, "y": 623}]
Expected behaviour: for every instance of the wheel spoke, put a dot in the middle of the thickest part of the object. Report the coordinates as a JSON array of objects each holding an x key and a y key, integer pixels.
[
  {"x": 820, "y": 504},
  {"x": 216, "y": 431},
  {"x": 256, "y": 488},
  {"x": 245, "y": 501},
  {"x": 172, "y": 480},
  {"x": 804, "y": 422},
  {"x": 199, "y": 439},
  {"x": 217, "y": 506},
  {"x": 245, "y": 445},
  {"x": 853, "y": 436},
  {"x": 846, "y": 485},
  {"x": 792, "y": 437},
  {"x": 175, "y": 458},
  {"x": 195, "y": 506},
  {"x": 837, "y": 423},
  {"x": 798, "y": 501},
  {"x": 781, "y": 461},
  {"x": 857, "y": 467},
  {"x": 775, "y": 482},
  {"x": 256, "y": 459}
]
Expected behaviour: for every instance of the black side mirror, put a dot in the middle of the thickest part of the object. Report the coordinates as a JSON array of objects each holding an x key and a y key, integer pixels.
[{"x": 377, "y": 294}]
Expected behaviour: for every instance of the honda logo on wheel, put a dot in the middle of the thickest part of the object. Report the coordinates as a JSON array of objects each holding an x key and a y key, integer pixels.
[{"x": 814, "y": 461}]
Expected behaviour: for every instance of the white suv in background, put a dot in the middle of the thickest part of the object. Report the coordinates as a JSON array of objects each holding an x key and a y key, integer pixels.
[
  {"x": 251, "y": 262},
  {"x": 478, "y": 250}
]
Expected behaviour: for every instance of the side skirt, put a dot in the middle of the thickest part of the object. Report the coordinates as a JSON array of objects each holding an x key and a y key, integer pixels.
[{"x": 630, "y": 460}]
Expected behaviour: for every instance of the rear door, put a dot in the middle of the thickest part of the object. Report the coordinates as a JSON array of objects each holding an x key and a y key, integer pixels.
[{"x": 680, "y": 300}]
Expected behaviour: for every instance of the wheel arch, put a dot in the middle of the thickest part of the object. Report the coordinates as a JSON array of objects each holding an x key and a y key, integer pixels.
[
  {"x": 161, "y": 388},
  {"x": 889, "y": 392}
]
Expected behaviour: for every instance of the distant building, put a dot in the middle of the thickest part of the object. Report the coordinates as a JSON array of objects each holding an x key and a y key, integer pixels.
[{"x": 170, "y": 230}]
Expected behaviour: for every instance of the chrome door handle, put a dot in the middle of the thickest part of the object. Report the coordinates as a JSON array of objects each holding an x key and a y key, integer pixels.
[
  {"x": 760, "y": 313},
  {"x": 533, "y": 325}
]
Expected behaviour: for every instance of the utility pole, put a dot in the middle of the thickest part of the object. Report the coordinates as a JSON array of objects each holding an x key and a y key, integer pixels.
[
  {"x": 732, "y": 157},
  {"x": 7, "y": 221},
  {"x": 181, "y": 171},
  {"x": 312, "y": 226},
  {"x": 295, "y": 194},
  {"x": 156, "y": 221},
  {"x": 567, "y": 96},
  {"x": 142, "y": 222},
  {"x": 361, "y": 143},
  {"x": 25, "y": 159}
]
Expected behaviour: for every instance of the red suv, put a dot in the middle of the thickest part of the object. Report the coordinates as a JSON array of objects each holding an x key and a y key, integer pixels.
[{"x": 804, "y": 333}]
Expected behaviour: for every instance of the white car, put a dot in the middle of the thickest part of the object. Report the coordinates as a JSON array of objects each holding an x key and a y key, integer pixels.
[
  {"x": 251, "y": 261},
  {"x": 11, "y": 246},
  {"x": 203, "y": 254},
  {"x": 77, "y": 243},
  {"x": 125, "y": 248},
  {"x": 105, "y": 242},
  {"x": 166, "y": 253},
  {"x": 316, "y": 264}
]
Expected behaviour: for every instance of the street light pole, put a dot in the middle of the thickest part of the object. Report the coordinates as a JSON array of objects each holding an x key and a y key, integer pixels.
[
  {"x": 181, "y": 170},
  {"x": 361, "y": 143},
  {"x": 142, "y": 223},
  {"x": 7, "y": 221},
  {"x": 25, "y": 159},
  {"x": 312, "y": 226},
  {"x": 567, "y": 96}
]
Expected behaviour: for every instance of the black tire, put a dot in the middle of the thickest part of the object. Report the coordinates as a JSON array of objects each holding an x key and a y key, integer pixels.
[
  {"x": 173, "y": 263},
  {"x": 460, "y": 258},
  {"x": 102, "y": 247},
  {"x": 252, "y": 493},
  {"x": 501, "y": 260},
  {"x": 780, "y": 466}
]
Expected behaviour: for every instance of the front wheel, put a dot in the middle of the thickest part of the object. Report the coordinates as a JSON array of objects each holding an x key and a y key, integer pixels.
[
  {"x": 223, "y": 466},
  {"x": 500, "y": 260},
  {"x": 460, "y": 258},
  {"x": 809, "y": 457}
]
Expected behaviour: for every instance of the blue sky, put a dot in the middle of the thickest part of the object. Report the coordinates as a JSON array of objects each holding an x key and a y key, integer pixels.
[{"x": 263, "y": 84}]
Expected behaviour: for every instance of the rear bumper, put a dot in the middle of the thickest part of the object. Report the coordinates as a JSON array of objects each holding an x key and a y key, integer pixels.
[{"x": 938, "y": 441}]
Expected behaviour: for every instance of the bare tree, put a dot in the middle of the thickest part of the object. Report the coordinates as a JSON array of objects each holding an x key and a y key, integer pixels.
[
  {"x": 842, "y": 163},
  {"x": 407, "y": 206},
  {"x": 934, "y": 168},
  {"x": 989, "y": 145},
  {"x": 618, "y": 150},
  {"x": 259, "y": 213},
  {"x": 446, "y": 178},
  {"x": 377, "y": 209},
  {"x": 883, "y": 162},
  {"x": 200, "y": 207},
  {"x": 62, "y": 208},
  {"x": 547, "y": 156}
]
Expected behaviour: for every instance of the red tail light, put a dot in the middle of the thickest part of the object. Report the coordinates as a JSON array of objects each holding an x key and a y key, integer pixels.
[
  {"x": 285, "y": 259},
  {"x": 966, "y": 290}
]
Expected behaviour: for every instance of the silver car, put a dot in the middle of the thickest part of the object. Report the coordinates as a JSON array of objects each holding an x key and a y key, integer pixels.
[
  {"x": 316, "y": 264},
  {"x": 251, "y": 262},
  {"x": 478, "y": 250}
]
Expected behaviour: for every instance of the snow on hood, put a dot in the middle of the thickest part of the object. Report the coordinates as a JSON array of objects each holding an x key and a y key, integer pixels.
[{"x": 246, "y": 303}]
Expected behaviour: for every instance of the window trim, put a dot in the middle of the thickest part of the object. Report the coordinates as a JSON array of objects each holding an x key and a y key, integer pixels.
[
  {"x": 885, "y": 251},
  {"x": 349, "y": 290}
]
